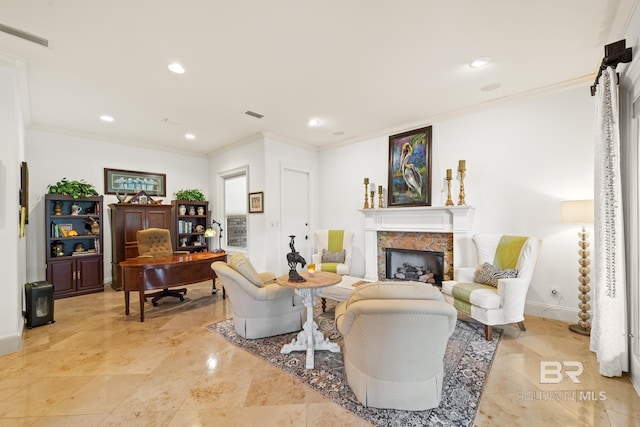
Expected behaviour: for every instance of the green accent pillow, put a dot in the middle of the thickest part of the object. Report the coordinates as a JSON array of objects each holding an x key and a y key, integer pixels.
[{"x": 488, "y": 274}]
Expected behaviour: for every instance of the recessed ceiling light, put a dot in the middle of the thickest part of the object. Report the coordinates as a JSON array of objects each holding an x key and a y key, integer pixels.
[
  {"x": 189, "y": 136},
  {"x": 314, "y": 122},
  {"x": 480, "y": 62},
  {"x": 176, "y": 68},
  {"x": 105, "y": 118}
]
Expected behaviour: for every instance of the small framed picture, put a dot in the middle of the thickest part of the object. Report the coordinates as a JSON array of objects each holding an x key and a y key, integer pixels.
[
  {"x": 256, "y": 202},
  {"x": 65, "y": 229}
]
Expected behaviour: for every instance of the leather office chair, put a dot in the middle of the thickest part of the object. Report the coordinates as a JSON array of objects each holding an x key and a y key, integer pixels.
[{"x": 156, "y": 242}]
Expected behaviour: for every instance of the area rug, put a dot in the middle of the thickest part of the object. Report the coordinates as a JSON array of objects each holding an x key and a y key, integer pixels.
[{"x": 467, "y": 362}]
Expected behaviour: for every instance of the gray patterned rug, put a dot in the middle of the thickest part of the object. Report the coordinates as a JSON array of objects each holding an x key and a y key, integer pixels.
[{"x": 466, "y": 365}]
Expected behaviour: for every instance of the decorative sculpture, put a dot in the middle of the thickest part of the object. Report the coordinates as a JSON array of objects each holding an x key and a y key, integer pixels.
[{"x": 294, "y": 258}]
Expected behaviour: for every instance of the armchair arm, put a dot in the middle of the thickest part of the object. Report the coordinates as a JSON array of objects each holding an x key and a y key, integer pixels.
[
  {"x": 274, "y": 291},
  {"x": 316, "y": 258},
  {"x": 514, "y": 294},
  {"x": 267, "y": 277}
]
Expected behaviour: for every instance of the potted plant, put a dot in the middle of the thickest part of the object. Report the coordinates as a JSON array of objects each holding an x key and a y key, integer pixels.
[
  {"x": 73, "y": 188},
  {"x": 193, "y": 195}
]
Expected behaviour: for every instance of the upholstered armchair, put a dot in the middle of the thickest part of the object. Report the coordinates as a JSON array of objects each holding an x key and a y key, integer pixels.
[
  {"x": 395, "y": 337},
  {"x": 261, "y": 307},
  {"x": 156, "y": 242},
  {"x": 333, "y": 250},
  {"x": 495, "y": 291}
]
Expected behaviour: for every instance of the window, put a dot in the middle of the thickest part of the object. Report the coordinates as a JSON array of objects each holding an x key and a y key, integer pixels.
[{"x": 235, "y": 209}]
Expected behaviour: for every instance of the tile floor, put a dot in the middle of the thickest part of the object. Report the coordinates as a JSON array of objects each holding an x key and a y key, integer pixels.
[{"x": 97, "y": 367}]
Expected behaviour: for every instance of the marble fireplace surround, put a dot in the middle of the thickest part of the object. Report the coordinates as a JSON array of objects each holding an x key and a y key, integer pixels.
[{"x": 439, "y": 228}]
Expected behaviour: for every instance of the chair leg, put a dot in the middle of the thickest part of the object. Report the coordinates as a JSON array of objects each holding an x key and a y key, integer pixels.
[
  {"x": 324, "y": 304},
  {"x": 488, "y": 332},
  {"x": 521, "y": 326}
]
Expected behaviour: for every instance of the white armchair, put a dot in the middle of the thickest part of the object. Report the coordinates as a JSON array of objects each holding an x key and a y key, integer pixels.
[
  {"x": 333, "y": 251},
  {"x": 261, "y": 307},
  {"x": 395, "y": 336},
  {"x": 495, "y": 291}
]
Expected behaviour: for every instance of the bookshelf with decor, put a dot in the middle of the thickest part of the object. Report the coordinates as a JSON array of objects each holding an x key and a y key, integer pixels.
[
  {"x": 73, "y": 244},
  {"x": 189, "y": 222}
]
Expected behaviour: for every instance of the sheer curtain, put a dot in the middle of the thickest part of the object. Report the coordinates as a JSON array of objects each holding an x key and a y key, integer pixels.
[{"x": 609, "y": 330}]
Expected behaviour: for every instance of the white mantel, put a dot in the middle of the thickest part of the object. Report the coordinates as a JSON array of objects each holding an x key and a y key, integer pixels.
[{"x": 435, "y": 219}]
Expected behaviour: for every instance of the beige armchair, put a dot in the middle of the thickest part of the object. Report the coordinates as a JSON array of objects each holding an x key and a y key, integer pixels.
[
  {"x": 494, "y": 292},
  {"x": 395, "y": 336},
  {"x": 261, "y": 307},
  {"x": 156, "y": 242}
]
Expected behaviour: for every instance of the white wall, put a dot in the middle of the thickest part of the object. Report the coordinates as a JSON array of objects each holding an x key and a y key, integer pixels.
[
  {"x": 522, "y": 160},
  {"x": 12, "y": 249},
  {"x": 264, "y": 155},
  {"x": 53, "y": 156}
]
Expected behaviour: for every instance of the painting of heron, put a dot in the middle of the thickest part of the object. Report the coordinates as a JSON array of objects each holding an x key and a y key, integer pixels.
[{"x": 410, "y": 168}]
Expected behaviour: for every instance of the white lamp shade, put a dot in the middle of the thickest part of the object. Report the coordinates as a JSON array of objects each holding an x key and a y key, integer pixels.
[{"x": 577, "y": 211}]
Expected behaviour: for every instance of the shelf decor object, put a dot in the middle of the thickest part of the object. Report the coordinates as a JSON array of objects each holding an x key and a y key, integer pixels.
[
  {"x": 380, "y": 202},
  {"x": 449, "y": 202},
  {"x": 462, "y": 170},
  {"x": 409, "y": 181},
  {"x": 581, "y": 212},
  {"x": 366, "y": 198}
]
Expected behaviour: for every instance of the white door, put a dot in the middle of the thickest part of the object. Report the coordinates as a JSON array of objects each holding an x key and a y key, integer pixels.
[{"x": 295, "y": 211}]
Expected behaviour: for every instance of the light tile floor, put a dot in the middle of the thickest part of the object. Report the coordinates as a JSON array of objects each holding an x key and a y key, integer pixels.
[{"x": 97, "y": 367}]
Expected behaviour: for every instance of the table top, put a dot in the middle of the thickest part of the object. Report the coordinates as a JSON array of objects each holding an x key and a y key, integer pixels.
[
  {"x": 174, "y": 259},
  {"x": 320, "y": 280}
]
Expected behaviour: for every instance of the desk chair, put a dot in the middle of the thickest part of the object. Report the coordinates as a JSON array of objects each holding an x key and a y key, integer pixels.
[{"x": 156, "y": 242}]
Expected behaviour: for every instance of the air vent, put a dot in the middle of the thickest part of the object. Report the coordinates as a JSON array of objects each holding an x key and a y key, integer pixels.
[
  {"x": 23, "y": 35},
  {"x": 253, "y": 114}
]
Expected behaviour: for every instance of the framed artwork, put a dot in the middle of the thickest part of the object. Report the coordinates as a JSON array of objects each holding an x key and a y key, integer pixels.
[
  {"x": 256, "y": 202},
  {"x": 410, "y": 168},
  {"x": 65, "y": 229},
  {"x": 118, "y": 181}
]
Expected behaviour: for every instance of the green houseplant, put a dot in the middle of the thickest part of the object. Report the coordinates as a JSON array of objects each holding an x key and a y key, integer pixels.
[
  {"x": 193, "y": 195},
  {"x": 73, "y": 188}
]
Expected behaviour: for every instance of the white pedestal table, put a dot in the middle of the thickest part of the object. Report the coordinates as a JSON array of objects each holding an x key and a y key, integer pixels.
[{"x": 310, "y": 338}]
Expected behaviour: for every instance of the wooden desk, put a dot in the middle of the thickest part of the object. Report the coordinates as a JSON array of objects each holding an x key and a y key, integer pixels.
[
  {"x": 310, "y": 338},
  {"x": 142, "y": 274}
]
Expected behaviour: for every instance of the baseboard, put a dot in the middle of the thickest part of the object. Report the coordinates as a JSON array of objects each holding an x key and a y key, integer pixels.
[
  {"x": 555, "y": 312},
  {"x": 10, "y": 344}
]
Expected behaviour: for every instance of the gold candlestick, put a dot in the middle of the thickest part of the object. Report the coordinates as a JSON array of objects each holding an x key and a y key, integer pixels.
[
  {"x": 372, "y": 204},
  {"x": 366, "y": 188},
  {"x": 449, "y": 201},
  {"x": 380, "y": 196},
  {"x": 461, "y": 201}
]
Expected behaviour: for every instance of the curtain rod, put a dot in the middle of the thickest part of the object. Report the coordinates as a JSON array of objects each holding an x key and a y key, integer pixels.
[{"x": 614, "y": 54}]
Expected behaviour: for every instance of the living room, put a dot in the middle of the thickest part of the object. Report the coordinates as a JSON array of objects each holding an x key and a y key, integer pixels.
[{"x": 524, "y": 155}]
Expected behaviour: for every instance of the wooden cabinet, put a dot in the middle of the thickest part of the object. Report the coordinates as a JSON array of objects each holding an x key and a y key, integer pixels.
[
  {"x": 189, "y": 222},
  {"x": 74, "y": 257},
  {"x": 126, "y": 220}
]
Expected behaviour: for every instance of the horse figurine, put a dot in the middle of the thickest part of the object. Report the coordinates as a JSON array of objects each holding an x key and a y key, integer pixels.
[{"x": 294, "y": 258}]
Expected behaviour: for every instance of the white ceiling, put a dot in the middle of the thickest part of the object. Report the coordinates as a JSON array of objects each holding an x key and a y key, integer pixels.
[{"x": 363, "y": 67}]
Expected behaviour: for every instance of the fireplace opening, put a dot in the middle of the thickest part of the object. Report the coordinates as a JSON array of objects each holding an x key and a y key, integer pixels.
[{"x": 416, "y": 265}]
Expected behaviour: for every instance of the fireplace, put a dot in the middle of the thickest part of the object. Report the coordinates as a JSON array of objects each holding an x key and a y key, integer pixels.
[
  {"x": 443, "y": 229},
  {"x": 419, "y": 266}
]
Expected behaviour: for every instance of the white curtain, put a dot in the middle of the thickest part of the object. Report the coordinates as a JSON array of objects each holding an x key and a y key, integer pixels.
[{"x": 609, "y": 326}]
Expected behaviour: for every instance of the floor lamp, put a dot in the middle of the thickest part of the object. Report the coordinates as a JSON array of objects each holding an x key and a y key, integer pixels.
[{"x": 581, "y": 212}]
